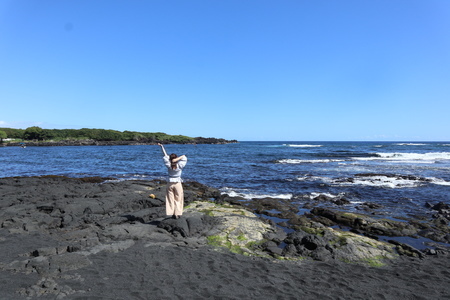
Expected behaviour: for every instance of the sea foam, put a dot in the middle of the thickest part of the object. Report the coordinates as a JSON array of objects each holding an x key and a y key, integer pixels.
[
  {"x": 250, "y": 195},
  {"x": 411, "y": 157},
  {"x": 385, "y": 181},
  {"x": 439, "y": 181},
  {"x": 329, "y": 195},
  {"x": 380, "y": 181},
  {"x": 307, "y": 161},
  {"x": 303, "y": 146}
]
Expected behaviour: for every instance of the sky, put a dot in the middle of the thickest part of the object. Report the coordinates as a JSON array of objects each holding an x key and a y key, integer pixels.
[{"x": 251, "y": 70}]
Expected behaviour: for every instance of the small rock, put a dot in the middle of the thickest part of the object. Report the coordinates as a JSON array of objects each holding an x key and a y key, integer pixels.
[
  {"x": 440, "y": 206},
  {"x": 430, "y": 252},
  {"x": 273, "y": 248}
]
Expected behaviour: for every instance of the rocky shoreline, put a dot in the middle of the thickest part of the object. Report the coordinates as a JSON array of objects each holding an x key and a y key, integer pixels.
[
  {"x": 88, "y": 142},
  {"x": 84, "y": 238}
]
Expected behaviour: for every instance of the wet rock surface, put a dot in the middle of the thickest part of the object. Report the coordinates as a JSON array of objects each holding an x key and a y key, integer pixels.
[{"x": 325, "y": 229}]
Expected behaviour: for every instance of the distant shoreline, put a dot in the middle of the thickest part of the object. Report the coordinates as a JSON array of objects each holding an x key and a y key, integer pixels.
[
  {"x": 36, "y": 136},
  {"x": 195, "y": 141}
]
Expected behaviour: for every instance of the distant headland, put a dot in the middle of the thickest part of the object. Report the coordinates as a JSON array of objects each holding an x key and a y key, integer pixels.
[{"x": 36, "y": 136}]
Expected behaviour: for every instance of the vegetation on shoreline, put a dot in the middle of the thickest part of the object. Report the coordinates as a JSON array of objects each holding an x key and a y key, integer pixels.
[{"x": 36, "y": 134}]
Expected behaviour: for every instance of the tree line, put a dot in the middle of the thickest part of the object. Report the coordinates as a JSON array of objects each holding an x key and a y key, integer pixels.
[{"x": 36, "y": 133}]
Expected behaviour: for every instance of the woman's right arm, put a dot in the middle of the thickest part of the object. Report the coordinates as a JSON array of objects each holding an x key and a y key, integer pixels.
[
  {"x": 182, "y": 157},
  {"x": 181, "y": 161}
]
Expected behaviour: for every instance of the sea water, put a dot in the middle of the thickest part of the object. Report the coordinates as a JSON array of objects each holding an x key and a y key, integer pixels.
[{"x": 400, "y": 176}]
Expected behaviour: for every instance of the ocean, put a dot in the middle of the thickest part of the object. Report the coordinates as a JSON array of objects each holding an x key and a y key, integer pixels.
[{"x": 400, "y": 177}]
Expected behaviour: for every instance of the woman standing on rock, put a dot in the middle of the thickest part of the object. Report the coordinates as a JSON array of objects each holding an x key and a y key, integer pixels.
[{"x": 174, "y": 191}]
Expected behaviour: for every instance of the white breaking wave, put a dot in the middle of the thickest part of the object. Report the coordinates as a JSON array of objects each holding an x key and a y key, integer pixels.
[
  {"x": 393, "y": 182},
  {"x": 388, "y": 182},
  {"x": 246, "y": 195},
  {"x": 410, "y": 144},
  {"x": 410, "y": 157},
  {"x": 314, "y": 195},
  {"x": 307, "y": 161},
  {"x": 121, "y": 177},
  {"x": 303, "y": 146},
  {"x": 439, "y": 181},
  {"x": 380, "y": 181},
  {"x": 310, "y": 178}
]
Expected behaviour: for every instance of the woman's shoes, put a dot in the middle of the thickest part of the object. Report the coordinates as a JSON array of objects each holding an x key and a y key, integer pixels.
[{"x": 176, "y": 217}]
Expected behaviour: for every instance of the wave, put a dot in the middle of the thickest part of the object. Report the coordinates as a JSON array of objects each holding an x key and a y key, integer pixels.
[
  {"x": 388, "y": 181},
  {"x": 375, "y": 180},
  {"x": 310, "y": 178},
  {"x": 411, "y": 157},
  {"x": 439, "y": 181},
  {"x": 131, "y": 177},
  {"x": 314, "y": 195},
  {"x": 307, "y": 161},
  {"x": 251, "y": 195},
  {"x": 410, "y": 144},
  {"x": 303, "y": 146},
  {"x": 380, "y": 181}
]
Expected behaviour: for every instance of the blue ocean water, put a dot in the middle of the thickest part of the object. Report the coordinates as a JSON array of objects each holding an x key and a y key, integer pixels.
[{"x": 401, "y": 177}]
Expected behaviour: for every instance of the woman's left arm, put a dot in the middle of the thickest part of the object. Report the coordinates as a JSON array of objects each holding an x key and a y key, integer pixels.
[{"x": 163, "y": 150}]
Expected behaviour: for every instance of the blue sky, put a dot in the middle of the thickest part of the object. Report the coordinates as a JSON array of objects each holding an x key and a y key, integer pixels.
[{"x": 301, "y": 70}]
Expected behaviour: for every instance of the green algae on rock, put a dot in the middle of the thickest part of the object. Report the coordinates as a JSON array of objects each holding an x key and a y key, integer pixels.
[{"x": 238, "y": 229}]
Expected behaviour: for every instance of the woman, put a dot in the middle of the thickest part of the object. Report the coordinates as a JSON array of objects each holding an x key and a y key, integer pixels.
[{"x": 174, "y": 191}]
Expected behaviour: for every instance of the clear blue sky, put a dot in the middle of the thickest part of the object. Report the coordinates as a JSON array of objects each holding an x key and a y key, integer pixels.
[{"x": 245, "y": 69}]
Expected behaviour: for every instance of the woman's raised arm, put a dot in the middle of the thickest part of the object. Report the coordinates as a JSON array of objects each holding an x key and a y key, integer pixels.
[{"x": 163, "y": 150}]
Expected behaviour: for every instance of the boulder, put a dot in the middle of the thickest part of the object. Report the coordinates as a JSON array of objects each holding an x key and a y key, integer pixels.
[
  {"x": 366, "y": 224},
  {"x": 341, "y": 245},
  {"x": 229, "y": 226}
]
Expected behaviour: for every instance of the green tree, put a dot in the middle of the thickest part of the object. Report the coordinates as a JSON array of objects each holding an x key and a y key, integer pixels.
[
  {"x": 13, "y": 133},
  {"x": 132, "y": 136},
  {"x": 48, "y": 134},
  {"x": 33, "y": 133},
  {"x": 2, "y": 136}
]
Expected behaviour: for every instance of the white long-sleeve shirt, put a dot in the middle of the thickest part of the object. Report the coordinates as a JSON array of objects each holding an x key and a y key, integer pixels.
[{"x": 175, "y": 175}]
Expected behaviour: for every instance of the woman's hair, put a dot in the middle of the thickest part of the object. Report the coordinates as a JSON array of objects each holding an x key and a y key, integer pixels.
[{"x": 173, "y": 165}]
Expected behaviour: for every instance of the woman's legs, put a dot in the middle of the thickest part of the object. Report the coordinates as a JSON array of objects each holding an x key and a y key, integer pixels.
[{"x": 174, "y": 199}]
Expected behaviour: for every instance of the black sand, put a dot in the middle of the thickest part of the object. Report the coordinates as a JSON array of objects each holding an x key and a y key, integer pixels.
[{"x": 82, "y": 256}]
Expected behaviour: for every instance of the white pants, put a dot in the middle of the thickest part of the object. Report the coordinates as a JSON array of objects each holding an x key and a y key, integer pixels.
[{"x": 174, "y": 199}]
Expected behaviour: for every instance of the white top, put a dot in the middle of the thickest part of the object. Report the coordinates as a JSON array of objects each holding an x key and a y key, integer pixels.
[{"x": 175, "y": 175}]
